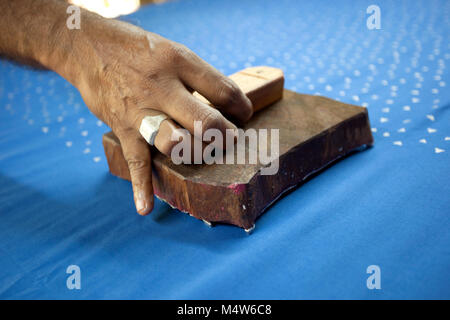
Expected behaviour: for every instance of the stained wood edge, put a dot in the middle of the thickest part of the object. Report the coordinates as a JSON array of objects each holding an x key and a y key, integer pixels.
[{"x": 242, "y": 204}]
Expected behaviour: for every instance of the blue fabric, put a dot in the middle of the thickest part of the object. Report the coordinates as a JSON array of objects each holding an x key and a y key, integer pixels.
[{"x": 388, "y": 206}]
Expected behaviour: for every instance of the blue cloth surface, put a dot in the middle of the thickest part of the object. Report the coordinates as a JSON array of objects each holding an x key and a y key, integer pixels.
[{"x": 387, "y": 206}]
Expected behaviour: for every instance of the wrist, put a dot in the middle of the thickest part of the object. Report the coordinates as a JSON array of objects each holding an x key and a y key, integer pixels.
[{"x": 64, "y": 51}]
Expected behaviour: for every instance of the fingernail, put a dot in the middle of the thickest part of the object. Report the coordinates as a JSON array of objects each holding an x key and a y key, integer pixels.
[
  {"x": 141, "y": 204},
  {"x": 250, "y": 114}
]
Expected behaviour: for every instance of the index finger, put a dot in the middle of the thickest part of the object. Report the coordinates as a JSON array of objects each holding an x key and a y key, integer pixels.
[{"x": 218, "y": 89}]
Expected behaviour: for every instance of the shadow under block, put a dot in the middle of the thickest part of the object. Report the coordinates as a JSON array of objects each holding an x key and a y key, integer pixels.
[{"x": 314, "y": 131}]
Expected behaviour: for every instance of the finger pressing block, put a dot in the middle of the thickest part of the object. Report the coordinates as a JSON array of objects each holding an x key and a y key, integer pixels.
[
  {"x": 263, "y": 86},
  {"x": 314, "y": 131}
]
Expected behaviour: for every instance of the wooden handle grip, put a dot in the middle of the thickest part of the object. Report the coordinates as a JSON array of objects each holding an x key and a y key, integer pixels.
[{"x": 262, "y": 85}]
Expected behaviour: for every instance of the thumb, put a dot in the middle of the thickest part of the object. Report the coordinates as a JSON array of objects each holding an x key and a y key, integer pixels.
[{"x": 137, "y": 154}]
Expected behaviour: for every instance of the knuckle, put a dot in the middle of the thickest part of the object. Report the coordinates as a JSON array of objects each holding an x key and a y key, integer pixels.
[
  {"x": 178, "y": 53},
  {"x": 134, "y": 119},
  {"x": 211, "y": 119},
  {"x": 137, "y": 165},
  {"x": 229, "y": 93},
  {"x": 121, "y": 131}
]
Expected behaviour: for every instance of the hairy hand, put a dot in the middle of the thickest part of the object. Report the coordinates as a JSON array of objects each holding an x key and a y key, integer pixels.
[{"x": 125, "y": 73}]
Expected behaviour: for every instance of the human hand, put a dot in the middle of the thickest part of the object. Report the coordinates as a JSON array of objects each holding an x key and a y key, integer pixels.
[{"x": 125, "y": 73}]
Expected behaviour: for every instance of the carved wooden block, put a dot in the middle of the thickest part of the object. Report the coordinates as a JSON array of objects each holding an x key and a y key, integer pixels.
[{"x": 313, "y": 132}]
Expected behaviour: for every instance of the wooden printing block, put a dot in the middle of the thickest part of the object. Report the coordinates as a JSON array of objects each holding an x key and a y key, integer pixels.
[{"x": 314, "y": 131}]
